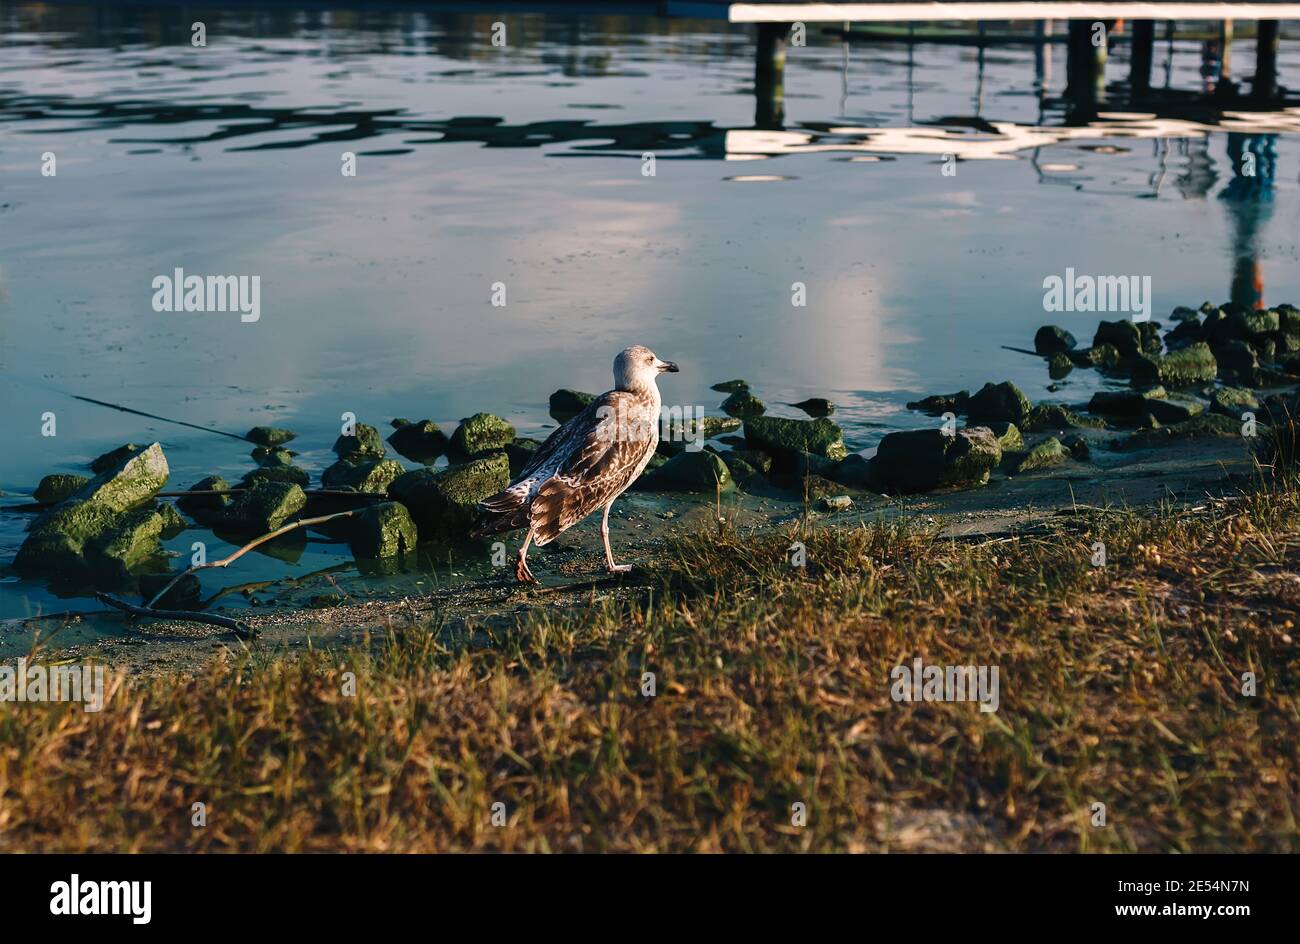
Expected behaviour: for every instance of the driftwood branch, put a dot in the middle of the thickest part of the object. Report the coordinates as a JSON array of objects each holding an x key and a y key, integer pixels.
[
  {"x": 240, "y": 629},
  {"x": 310, "y": 492},
  {"x": 227, "y": 561}
]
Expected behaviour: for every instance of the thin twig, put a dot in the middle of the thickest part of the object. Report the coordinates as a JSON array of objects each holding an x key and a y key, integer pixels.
[
  {"x": 309, "y": 492},
  {"x": 242, "y": 630},
  {"x": 227, "y": 561},
  {"x": 155, "y": 416}
]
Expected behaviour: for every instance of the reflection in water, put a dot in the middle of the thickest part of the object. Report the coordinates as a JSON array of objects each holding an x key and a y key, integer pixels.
[{"x": 1249, "y": 200}]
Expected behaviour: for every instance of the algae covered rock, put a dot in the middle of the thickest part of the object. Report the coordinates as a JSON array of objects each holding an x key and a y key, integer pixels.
[
  {"x": 1007, "y": 435},
  {"x": 133, "y": 480},
  {"x": 264, "y": 506},
  {"x": 1049, "y": 339},
  {"x": 383, "y": 530},
  {"x": 86, "y": 539},
  {"x": 58, "y": 540},
  {"x": 1237, "y": 362},
  {"x": 565, "y": 404},
  {"x": 1046, "y": 454},
  {"x": 923, "y": 459},
  {"x": 444, "y": 503},
  {"x": 730, "y": 386},
  {"x": 270, "y": 435},
  {"x": 55, "y": 488},
  {"x": 368, "y": 476},
  {"x": 1122, "y": 335},
  {"x": 1207, "y": 425},
  {"x": 283, "y": 474},
  {"x": 701, "y": 471},
  {"x": 1233, "y": 401},
  {"x": 941, "y": 403},
  {"x": 743, "y": 404},
  {"x": 1001, "y": 402},
  {"x": 1054, "y": 416},
  {"x": 1190, "y": 365},
  {"x": 785, "y": 439},
  {"x": 201, "y": 506},
  {"x": 272, "y": 456},
  {"x": 480, "y": 433},
  {"x": 419, "y": 442},
  {"x": 1059, "y": 366},
  {"x": 520, "y": 452},
  {"x": 364, "y": 443}
]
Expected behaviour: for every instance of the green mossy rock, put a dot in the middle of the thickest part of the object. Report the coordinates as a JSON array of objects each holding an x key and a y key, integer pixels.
[
  {"x": 1043, "y": 455},
  {"x": 1173, "y": 410},
  {"x": 382, "y": 530},
  {"x": 1124, "y": 336},
  {"x": 269, "y": 457},
  {"x": 263, "y": 507},
  {"x": 1007, "y": 435},
  {"x": 57, "y": 541},
  {"x": 444, "y": 503},
  {"x": 520, "y": 452},
  {"x": 730, "y": 386},
  {"x": 1207, "y": 425},
  {"x": 1238, "y": 363},
  {"x": 1249, "y": 325},
  {"x": 419, "y": 442},
  {"x": 365, "y": 443},
  {"x": 564, "y": 405},
  {"x": 754, "y": 457},
  {"x": 1059, "y": 366},
  {"x": 55, "y": 488},
  {"x": 743, "y": 404},
  {"x": 920, "y": 460},
  {"x": 1047, "y": 416},
  {"x": 270, "y": 435},
  {"x": 1049, "y": 339},
  {"x": 282, "y": 474},
  {"x": 84, "y": 538},
  {"x": 480, "y": 433},
  {"x": 701, "y": 471},
  {"x": 1194, "y": 364},
  {"x": 133, "y": 480},
  {"x": 941, "y": 403},
  {"x": 785, "y": 439},
  {"x": 372, "y": 476},
  {"x": 998, "y": 403},
  {"x": 200, "y": 506},
  {"x": 1233, "y": 401},
  {"x": 173, "y": 523}
]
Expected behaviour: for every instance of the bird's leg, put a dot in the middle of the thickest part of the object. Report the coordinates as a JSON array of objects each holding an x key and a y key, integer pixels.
[
  {"x": 609, "y": 554},
  {"x": 522, "y": 573}
]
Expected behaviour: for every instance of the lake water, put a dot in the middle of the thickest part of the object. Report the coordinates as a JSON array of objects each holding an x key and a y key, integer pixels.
[{"x": 523, "y": 165}]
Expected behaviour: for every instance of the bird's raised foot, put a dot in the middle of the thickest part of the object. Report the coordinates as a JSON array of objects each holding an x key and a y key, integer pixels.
[{"x": 522, "y": 573}]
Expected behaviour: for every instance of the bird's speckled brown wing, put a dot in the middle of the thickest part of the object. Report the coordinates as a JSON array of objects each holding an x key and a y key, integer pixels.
[{"x": 599, "y": 466}]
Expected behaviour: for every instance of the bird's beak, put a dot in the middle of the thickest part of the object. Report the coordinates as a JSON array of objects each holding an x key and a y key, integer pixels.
[{"x": 667, "y": 367}]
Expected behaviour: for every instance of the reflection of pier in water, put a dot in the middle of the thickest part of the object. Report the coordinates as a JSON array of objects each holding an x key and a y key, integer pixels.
[{"x": 1251, "y": 114}]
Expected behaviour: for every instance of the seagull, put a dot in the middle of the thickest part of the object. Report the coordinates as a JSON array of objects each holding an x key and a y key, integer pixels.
[{"x": 586, "y": 463}]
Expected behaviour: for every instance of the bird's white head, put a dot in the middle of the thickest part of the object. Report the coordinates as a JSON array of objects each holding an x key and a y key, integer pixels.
[{"x": 636, "y": 368}]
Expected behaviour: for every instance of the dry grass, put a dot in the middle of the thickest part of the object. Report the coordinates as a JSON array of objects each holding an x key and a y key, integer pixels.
[{"x": 1120, "y": 685}]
